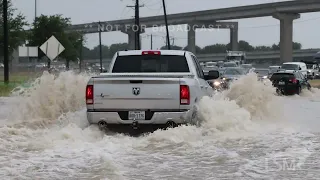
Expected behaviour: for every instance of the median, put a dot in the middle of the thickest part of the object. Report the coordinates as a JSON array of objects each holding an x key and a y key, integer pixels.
[
  {"x": 15, "y": 80},
  {"x": 315, "y": 83}
]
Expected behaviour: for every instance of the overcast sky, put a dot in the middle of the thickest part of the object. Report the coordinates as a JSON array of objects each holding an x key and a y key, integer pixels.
[{"x": 257, "y": 31}]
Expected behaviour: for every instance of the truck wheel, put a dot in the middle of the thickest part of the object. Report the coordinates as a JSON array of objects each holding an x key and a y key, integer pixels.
[{"x": 299, "y": 90}]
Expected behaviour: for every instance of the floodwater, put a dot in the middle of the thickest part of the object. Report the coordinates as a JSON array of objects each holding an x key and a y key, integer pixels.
[{"x": 246, "y": 133}]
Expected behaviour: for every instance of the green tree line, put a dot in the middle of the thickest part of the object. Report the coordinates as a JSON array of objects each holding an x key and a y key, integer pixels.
[
  {"x": 108, "y": 51},
  {"x": 44, "y": 27}
]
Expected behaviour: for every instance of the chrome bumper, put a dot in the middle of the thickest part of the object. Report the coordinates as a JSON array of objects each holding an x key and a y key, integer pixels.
[{"x": 157, "y": 118}]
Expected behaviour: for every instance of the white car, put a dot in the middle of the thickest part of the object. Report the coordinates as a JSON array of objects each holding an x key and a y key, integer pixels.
[
  {"x": 157, "y": 88},
  {"x": 297, "y": 66}
]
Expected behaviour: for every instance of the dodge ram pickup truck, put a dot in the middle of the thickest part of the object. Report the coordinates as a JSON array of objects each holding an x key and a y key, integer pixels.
[{"x": 147, "y": 88}]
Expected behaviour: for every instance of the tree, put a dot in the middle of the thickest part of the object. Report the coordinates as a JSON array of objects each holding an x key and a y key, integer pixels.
[
  {"x": 216, "y": 48},
  {"x": 262, "y": 48},
  {"x": 245, "y": 46},
  {"x": 46, "y": 26},
  {"x": 173, "y": 47},
  {"x": 198, "y": 49},
  {"x": 17, "y": 35},
  {"x": 117, "y": 47},
  {"x": 295, "y": 46}
]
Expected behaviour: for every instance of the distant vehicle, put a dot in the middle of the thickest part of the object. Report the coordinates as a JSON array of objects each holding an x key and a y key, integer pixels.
[
  {"x": 207, "y": 69},
  {"x": 239, "y": 56},
  {"x": 220, "y": 64},
  {"x": 312, "y": 69},
  {"x": 263, "y": 73},
  {"x": 218, "y": 83},
  {"x": 297, "y": 66},
  {"x": 156, "y": 89},
  {"x": 233, "y": 73},
  {"x": 246, "y": 66},
  {"x": 230, "y": 64},
  {"x": 41, "y": 65},
  {"x": 274, "y": 69},
  {"x": 289, "y": 82},
  {"x": 211, "y": 64}
]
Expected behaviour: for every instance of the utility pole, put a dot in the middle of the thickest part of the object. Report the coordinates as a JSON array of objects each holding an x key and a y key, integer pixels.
[
  {"x": 137, "y": 24},
  {"x": 81, "y": 55},
  {"x": 100, "y": 47},
  {"x": 5, "y": 42},
  {"x": 166, "y": 22},
  {"x": 151, "y": 42}
]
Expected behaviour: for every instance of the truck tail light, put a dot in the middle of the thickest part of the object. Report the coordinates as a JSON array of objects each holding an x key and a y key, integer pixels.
[
  {"x": 151, "y": 53},
  {"x": 89, "y": 94},
  {"x": 184, "y": 95},
  {"x": 293, "y": 80}
]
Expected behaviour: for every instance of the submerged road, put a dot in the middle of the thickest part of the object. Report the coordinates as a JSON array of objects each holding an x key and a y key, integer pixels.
[{"x": 241, "y": 139}]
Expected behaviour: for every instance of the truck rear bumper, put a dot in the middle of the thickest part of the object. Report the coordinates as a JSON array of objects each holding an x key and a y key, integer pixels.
[{"x": 157, "y": 118}]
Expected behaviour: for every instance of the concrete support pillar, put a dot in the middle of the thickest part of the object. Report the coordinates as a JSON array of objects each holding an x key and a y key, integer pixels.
[
  {"x": 286, "y": 33},
  {"x": 192, "y": 39},
  {"x": 234, "y": 38},
  {"x": 131, "y": 37}
]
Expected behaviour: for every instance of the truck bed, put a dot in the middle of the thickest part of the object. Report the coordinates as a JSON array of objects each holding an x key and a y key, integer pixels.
[{"x": 143, "y": 91}]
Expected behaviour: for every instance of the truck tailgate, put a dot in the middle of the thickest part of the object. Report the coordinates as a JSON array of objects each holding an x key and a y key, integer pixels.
[{"x": 136, "y": 93}]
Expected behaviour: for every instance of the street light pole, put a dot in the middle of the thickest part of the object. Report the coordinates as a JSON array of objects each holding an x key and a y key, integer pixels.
[
  {"x": 35, "y": 9},
  {"x": 100, "y": 47},
  {"x": 5, "y": 41}
]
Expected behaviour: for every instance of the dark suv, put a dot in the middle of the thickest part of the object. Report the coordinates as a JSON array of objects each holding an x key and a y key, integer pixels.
[{"x": 289, "y": 82}]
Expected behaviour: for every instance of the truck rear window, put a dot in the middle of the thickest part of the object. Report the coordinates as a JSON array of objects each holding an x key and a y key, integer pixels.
[
  {"x": 156, "y": 64},
  {"x": 278, "y": 76}
]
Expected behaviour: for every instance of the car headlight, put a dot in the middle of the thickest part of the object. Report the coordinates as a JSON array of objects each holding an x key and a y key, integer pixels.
[
  {"x": 216, "y": 83},
  {"x": 265, "y": 77},
  {"x": 224, "y": 79}
]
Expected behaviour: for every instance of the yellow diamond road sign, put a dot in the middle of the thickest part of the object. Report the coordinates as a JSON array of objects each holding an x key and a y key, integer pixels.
[{"x": 52, "y": 48}]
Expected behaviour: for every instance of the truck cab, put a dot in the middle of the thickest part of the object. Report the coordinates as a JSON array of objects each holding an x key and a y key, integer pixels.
[{"x": 237, "y": 56}]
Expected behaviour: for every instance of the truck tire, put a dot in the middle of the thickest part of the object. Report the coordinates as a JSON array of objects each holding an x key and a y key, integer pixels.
[{"x": 299, "y": 90}]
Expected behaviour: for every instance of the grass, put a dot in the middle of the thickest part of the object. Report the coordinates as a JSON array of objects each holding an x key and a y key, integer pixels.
[
  {"x": 315, "y": 83},
  {"x": 15, "y": 80},
  {"x": 5, "y": 89}
]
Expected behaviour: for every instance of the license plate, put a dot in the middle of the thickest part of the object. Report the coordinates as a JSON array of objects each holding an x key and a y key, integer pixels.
[
  {"x": 137, "y": 115},
  {"x": 281, "y": 83}
]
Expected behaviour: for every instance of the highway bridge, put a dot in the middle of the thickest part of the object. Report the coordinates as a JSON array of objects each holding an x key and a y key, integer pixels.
[
  {"x": 286, "y": 12},
  {"x": 265, "y": 57}
]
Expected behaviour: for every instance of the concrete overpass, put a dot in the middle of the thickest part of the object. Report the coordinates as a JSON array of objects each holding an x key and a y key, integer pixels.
[
  {"x": 286, "y": 12},
  {"x": 263, "y": 56},
  {"x": 270, "y": 57}
]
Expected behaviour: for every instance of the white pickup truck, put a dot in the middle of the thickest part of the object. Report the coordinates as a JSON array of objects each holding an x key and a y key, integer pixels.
[{"x": 147, "y": 88}]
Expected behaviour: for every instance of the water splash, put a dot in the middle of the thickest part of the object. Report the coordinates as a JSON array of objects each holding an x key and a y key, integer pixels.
[{"x": 50, "y": 96}]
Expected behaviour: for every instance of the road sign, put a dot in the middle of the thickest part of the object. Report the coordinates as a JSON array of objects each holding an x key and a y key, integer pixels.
[
  {"x": 28, "y": 51},
  {"x": 52, "y": 48}
]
